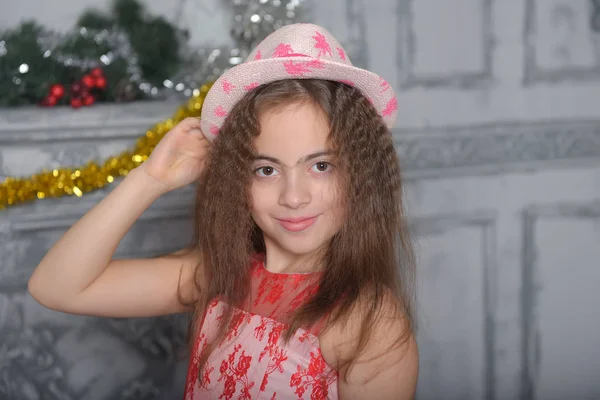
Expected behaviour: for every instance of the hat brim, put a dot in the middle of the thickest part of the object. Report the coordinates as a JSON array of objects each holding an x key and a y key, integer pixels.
[{"x": 237, "y": 81}]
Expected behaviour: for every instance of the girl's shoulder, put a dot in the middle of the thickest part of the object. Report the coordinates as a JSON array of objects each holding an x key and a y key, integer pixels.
[
  {"x": 381, "y": 342},
  {"x": 349, "y": 327}
]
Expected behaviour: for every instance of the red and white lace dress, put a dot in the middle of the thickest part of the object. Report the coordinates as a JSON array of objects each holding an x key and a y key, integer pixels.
[{"x": 253, "y": 362}]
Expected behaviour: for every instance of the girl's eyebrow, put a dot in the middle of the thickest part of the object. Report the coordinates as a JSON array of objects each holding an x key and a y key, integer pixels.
[{"x": 300, "y": 160}]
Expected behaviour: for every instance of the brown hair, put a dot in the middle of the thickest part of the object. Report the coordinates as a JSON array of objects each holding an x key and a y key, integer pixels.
[{"x": 370, "y": 257}]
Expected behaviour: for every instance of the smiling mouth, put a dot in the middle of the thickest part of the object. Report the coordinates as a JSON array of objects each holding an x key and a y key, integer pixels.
[{"x": 297, "y": 224}]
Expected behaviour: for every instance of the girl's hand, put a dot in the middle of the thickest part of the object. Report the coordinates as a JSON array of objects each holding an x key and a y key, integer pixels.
[{"x": 179, "y": 158}]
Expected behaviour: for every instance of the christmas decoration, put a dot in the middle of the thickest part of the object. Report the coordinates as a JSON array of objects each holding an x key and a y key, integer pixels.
[
  {"x": 57, "y": 91},
  {"x": 133, "y": 50},
  {"x": 77, "y": 181},
  {"x": 82, "y": 93},
  {"x": 252, "y": 21}
]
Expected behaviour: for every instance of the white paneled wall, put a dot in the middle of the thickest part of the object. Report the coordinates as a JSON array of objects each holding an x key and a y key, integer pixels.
[{"x": 499, "y": 137}]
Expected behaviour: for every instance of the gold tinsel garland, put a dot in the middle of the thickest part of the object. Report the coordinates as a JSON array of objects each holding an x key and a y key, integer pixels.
[{"x": 77, "y": 181}]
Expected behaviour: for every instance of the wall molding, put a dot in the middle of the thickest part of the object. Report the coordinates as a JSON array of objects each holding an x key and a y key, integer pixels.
[
  {"x": 357, "y": 33},
  {"x": 35, "y": 125},
  {"x": 533, "y": 73},
  {"x": 530, "y": 328},
  {"x": 19, "y": 223},
  {"x": 406, "y": 48},
  {"x": 486, "y": 222},
  {"x": 429, "y": 152},
  {"x": 495, "y": 148}
]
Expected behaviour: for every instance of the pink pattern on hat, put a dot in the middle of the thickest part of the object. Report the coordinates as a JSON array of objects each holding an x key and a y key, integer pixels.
[
  {"x": 227, "y": 86},
  {"x": 322, "y": 44},
  {"x": 220, "y": 111},
  {"x": 390, "y": 107},
  {"x": 283, "y": 50},
  {"x": 302, "y": 67},
  {"x": 251, "y": 86},
  {"x": 294, "y": 51},
  {"x": 384, "y": 85}
]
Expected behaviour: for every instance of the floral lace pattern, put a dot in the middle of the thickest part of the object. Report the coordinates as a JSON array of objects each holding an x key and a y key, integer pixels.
[{"x": 253, "y": 362}]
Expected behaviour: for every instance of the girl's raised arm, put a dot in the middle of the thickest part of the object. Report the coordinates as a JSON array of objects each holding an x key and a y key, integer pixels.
[{"x": 78, "y": 274}]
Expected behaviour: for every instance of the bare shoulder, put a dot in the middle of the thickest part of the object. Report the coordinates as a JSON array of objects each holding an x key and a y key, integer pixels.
[{"x": 386, "y": 364}]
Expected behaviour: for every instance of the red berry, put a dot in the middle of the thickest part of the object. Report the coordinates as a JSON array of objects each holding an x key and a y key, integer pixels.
[
  {"x": 48, "y": 101},
  {"x": 88, "y": 81},
  {"x": 75, "y": 88},
  {"x": 88, "y": 100},
  {"x": 57, "y": 90},
  {"x": 100, "y": 82},
  {"x": 97, "y": 72},
  {"x": 76, "y": 102}
]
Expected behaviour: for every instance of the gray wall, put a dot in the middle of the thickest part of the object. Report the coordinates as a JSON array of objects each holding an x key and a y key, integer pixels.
[{"x": 499, "y": 136}]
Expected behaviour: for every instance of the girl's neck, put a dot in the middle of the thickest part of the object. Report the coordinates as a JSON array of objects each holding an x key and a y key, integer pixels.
[{"x": 279, "y": 262}]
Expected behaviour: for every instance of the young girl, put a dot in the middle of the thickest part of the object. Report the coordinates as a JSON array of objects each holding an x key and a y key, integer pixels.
[{"x": 301, "y": 270}]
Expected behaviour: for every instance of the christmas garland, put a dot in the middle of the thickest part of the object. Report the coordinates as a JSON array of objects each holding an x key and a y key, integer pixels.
[
  {"x": 125, "y": 55},
  {"x": 92, "y": 176},
  {"x": 135, "y": 52}
]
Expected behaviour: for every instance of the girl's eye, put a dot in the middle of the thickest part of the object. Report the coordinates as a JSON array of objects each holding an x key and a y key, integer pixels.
[
  {"x": 266, "y": 171},
  {"x": 321, "y": 166}
]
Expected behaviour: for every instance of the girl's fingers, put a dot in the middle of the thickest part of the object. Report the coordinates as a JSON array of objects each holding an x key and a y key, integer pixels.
[
  {"x": 190, "y": 123},
  {"x": 198, "y": 134},
  {"x": 195, "y": 131}
]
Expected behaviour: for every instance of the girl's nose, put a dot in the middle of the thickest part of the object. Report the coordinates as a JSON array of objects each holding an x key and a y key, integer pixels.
[{"x": 295, "y": 192}]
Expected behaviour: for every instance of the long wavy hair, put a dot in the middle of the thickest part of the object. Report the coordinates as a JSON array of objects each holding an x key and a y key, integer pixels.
[{"x": 370, "y": 257}]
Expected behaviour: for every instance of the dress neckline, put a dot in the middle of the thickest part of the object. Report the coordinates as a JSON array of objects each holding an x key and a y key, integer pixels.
[{"x": 260, "y": 263}]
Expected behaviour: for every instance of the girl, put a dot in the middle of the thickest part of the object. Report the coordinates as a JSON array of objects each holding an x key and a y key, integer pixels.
[{"x": 301, "y": 270}]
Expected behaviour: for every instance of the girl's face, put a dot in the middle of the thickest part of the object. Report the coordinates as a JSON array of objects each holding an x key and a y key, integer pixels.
[{"x": 294, "y": 189}]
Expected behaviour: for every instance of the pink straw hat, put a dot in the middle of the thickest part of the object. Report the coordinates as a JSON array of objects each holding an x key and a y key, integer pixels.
[{"x": 297, "y": 51}]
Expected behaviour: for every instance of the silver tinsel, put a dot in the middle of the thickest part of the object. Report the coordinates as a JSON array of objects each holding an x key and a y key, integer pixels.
[
  {"x": 251, "y": 22},
  {"x": 55, "y": 46},
  {"x": 115, "y": 40},
  {"x": 120, "y": 48}
]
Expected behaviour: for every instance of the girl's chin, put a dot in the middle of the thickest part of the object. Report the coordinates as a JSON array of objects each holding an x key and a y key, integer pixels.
[{"x": 295, "y": 245}]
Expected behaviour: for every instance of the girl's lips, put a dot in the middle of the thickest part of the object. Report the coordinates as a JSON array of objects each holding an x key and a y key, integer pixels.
[{"x": 297, "y": 224}]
